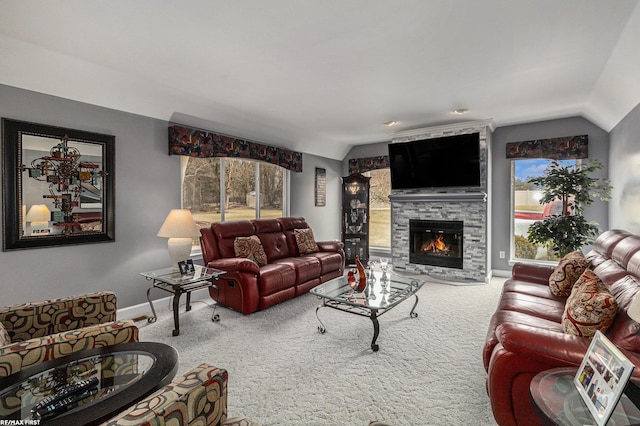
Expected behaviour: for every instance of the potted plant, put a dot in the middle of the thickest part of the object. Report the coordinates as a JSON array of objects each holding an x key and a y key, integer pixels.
[{"x": 574, "y": 186}]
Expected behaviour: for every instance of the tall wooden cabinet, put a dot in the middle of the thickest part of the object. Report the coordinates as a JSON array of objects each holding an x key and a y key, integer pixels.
[{"x": 355, "y": 217}]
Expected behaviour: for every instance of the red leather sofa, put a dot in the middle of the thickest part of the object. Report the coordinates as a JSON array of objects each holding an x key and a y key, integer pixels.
[
  {"x": 248, "y": 287},
  {"x": 525, "y": 334}
]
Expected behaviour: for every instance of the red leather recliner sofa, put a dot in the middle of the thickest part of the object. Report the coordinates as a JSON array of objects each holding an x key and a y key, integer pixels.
[
  {"x": 525, "y": 334},
  {"x": 248, "y": 287}
]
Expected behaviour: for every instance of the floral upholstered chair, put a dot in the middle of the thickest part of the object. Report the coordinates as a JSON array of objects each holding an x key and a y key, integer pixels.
[{"x": 35, "y": 332}]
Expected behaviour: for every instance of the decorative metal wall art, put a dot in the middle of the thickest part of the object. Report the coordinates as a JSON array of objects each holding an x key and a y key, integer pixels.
[{"x": 68, "y": 171}]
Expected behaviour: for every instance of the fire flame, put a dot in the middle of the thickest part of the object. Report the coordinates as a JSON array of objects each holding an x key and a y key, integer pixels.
[{"x": 437, "y": 245}]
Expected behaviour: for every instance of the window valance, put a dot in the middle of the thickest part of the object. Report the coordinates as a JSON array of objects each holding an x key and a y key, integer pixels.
[
  {"x": 565, "y": 148},
  {"x": 366, "y": 164},
  {"x": 198, "y": 143}
]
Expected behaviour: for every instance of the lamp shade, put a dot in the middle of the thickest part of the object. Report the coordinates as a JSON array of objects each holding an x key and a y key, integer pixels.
[
  {"x": 38, "y": 213},
  {"x": 180, "y": 228},
  {"x": 179, "y": 224}
]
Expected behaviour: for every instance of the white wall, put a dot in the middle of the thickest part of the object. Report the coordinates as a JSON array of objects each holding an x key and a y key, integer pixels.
[
  {"x": 147, "y": 187},
  {"x": 624, "y": 172}
]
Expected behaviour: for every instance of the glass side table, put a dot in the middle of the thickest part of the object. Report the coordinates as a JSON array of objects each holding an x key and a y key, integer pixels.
[
  {"x": 556, "y": 401},
  {"x": 172, "y": 281}
]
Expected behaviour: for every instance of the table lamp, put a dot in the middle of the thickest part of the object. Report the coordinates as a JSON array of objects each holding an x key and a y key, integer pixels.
[
  {"x": 39, "y": 216},
  {"x": 181, "y": 229}
]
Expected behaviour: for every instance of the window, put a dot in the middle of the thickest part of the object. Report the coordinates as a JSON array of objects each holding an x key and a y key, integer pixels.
[
  {"x": 250, "y": 189},
  {"x": 380, "y": 208},
  {"x": 527, "y": 209}
]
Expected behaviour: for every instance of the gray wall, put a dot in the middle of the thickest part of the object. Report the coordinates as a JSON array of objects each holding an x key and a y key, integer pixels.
[
  {"x": 501, "y": 170},
  {"x": 624, "y": 172},
  {"x": 147, "y": 187}
]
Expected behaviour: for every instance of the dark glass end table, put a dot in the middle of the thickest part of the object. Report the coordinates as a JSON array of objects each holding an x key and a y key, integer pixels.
[{"x": 122, "y": 375}]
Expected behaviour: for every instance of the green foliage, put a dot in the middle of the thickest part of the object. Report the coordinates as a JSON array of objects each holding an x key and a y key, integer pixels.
[
  {"x": 524, "y": 248},
  {"x": 563, "y": 234},
  {"x": 576, "y": 188}
]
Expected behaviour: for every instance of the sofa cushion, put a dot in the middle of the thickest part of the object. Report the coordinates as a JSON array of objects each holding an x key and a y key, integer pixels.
[
  {"x": 305, "y": 241},
  {"x": 250, "y": 248},
  {"x": 4, "y": 336},
  {"x": 306, "y": 267},
  {"x": 569, "y": 269},
  {"x": 590, "y": 308},
  {"x": 329, "y": 262},
  {"x": 276, "y": 277}
]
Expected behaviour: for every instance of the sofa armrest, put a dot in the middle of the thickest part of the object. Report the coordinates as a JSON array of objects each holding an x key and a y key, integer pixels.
[
  {"x": 198, "y": 397},
  {"x": 17, "y": 356},
  {"x": 332, "y": 246},
  {"x": 538, "y": 274},
  {"x": 542, "y": 345},
  {"x": 39, "y": 319},
  {"x": 235, "y": 264}
]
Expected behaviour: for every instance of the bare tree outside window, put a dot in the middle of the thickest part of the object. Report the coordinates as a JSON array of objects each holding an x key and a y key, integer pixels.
[
  {"x": 201, "y": 190},
  {"x": 380, "y": 209}
]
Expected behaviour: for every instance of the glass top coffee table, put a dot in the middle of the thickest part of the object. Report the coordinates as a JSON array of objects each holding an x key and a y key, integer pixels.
[{"x": 385, "y": 290}]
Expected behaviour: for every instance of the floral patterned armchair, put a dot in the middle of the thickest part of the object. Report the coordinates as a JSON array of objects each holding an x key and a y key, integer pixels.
[{"x": 35, "y": 332}]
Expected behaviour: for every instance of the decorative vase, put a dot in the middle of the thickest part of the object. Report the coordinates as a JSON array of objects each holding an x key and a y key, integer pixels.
[
  {"x": 361, "y": 283},
  {"x": 351, "y": 278}
]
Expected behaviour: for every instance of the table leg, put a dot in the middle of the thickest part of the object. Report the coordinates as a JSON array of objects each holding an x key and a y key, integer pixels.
[
  {"x": 155, "y": 316},
  {"x": 215, "y": 317},
  {"x": 414, "y": 314},
  {"x": 188, "y": 301},
  {"x": 321, "y": 328},
  {"x": 376, "y": 329},
  {"x": 176, "y": 312}
]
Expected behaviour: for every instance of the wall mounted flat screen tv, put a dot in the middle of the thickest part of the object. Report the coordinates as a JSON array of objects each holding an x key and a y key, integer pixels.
[{"x": 445, "y": 162}]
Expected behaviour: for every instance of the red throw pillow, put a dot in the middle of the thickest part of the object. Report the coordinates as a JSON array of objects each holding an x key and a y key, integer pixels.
[{"x": 591, "y": 307}]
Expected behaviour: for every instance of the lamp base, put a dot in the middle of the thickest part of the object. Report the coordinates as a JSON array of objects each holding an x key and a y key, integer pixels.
[{"x": 179, "y": 249}]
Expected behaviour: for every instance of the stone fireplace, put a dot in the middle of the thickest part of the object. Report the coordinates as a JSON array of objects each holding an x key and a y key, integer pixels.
[
  {"x": 464, "y": 257},
  {"x": 436, "y": 242}
]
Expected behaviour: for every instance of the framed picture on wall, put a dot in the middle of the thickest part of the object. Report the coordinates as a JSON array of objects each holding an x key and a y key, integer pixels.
[
  {"x": 321, "y": 187},
  {"x": 602, "y": 377}
]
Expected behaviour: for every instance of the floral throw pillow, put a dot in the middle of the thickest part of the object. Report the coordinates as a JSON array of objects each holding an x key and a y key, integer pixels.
[
  {"x": 250, "y": 248},
  {"x": 569, "y": 269},
  {"x": 305, "y": 241},
  {"x": 4, "y": 336},
  {"x": 591, "y": 307}
]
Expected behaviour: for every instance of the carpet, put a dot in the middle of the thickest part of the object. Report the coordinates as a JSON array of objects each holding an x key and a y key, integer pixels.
[{"x": 428, "y": 370}]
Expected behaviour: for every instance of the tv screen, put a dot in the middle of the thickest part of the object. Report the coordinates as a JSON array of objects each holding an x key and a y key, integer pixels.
[{"x": 451, "y": 161}]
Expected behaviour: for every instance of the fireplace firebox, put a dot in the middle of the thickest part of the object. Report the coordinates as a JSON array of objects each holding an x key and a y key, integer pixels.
[{"x": 436, "y": 243}]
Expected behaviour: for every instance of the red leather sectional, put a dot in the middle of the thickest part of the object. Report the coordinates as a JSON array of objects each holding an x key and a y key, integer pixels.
[
  {"x": 248, "y": 287},
  {"x": 525, "y": 333}
]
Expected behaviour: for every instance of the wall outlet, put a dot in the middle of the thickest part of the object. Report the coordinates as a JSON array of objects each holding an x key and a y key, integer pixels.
[{"x": 502, "y": 254}]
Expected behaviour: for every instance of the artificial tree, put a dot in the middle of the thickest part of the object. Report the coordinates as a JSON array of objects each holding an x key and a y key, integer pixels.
[{"x": 575, "y": 187}]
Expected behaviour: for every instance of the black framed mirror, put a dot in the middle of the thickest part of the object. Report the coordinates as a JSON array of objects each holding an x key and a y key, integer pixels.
[{"x": 57, "y": 186}]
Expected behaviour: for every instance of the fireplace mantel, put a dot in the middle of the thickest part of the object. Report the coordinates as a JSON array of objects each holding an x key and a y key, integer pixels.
[{"x": 480, "y": 197}]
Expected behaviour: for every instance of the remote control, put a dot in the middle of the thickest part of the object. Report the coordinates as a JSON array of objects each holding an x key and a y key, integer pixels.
[
  {"x": 66, "y": 392},
  {"x": 61, "y": 405}
]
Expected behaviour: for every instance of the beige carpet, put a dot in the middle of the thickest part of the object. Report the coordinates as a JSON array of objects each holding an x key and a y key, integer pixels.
[{"x": 283, "y": 372}]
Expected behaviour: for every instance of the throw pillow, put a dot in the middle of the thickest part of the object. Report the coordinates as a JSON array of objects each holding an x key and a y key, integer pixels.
[
  {"x": 4, "y": 336},
  {"x": 305, "y": 241},
  {"x": 250, "y": 248},
  {"x": 569, "y": 269},
  {"x": 591, "y": 307}
]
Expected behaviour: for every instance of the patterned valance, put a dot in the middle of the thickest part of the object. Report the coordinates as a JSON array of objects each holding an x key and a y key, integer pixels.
[
  {"x": 567, "y": 148},
  {"x": 198, "y": 143},
  {"x": 361, "y": 165}
]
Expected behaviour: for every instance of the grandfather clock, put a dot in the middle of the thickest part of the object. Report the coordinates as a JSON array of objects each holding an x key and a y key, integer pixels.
[{"x": 355, "y": 217}]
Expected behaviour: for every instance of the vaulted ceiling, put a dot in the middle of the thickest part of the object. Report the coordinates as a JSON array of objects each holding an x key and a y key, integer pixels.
[{"x": 323, "y": 76}]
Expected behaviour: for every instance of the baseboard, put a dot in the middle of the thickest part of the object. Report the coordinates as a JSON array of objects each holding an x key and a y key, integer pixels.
[
  {"x": 143, "y": 310},
  {"x": 501, "y": 273}
]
